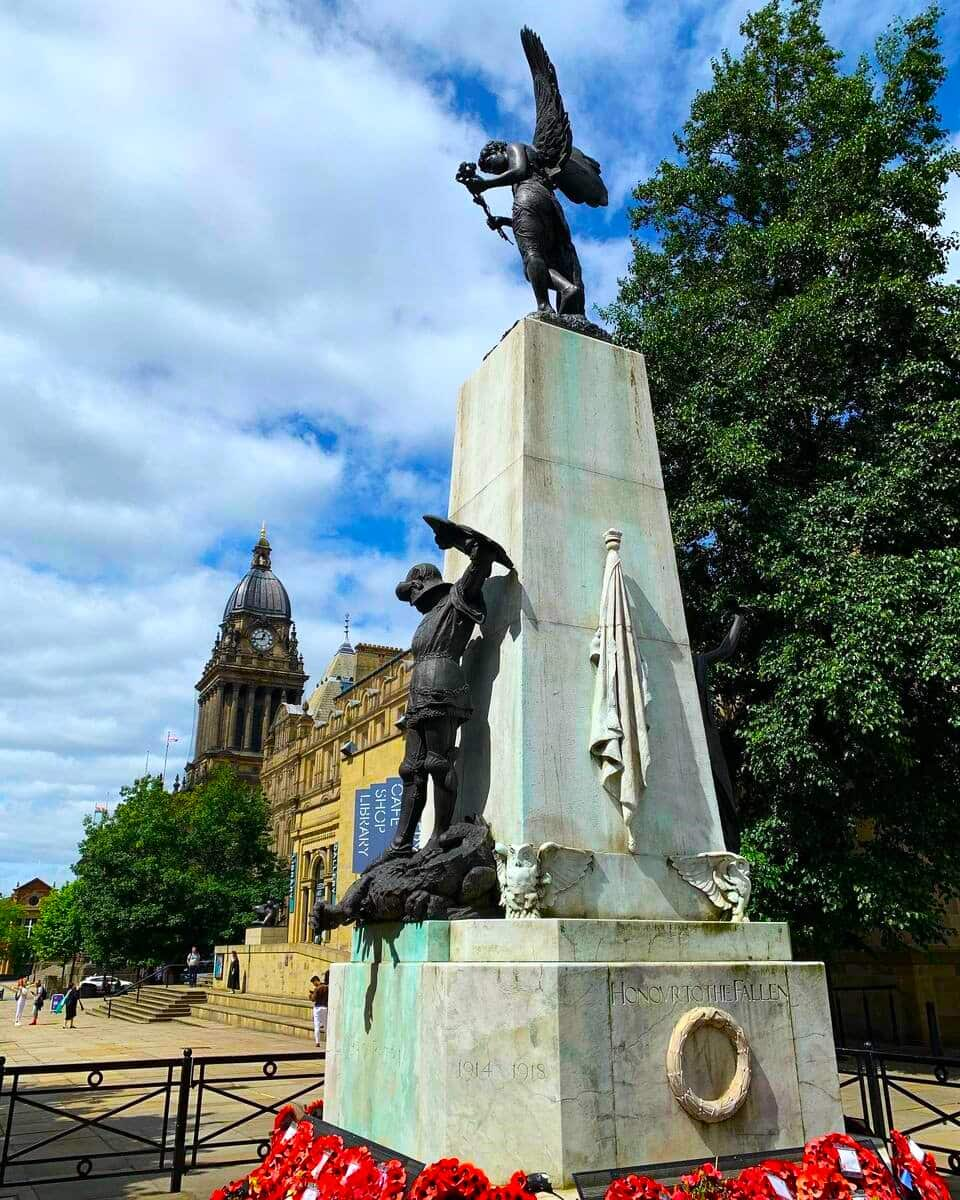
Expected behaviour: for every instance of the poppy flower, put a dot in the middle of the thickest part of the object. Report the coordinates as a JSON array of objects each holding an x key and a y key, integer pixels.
[{"x": 636, "y": 1187}]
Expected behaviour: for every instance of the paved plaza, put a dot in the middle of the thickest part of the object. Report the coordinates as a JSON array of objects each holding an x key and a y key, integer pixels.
[{"x": 97, "y": 1040}]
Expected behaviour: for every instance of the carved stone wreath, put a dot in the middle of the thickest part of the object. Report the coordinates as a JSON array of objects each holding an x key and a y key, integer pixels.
[{"x": 723, "y": 1107}]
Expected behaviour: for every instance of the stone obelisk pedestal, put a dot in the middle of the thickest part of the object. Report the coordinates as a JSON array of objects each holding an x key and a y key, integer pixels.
[
  {"x": 628, "y": 1023},
  {"x": 555, "y": 444}
]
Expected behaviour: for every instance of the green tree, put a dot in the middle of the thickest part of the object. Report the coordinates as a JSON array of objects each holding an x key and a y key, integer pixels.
[
  {"x": 802, "y": 348},
  {"x": 14, "y": 940},
  {"x": 58, "y": 933},
  {"x": 169, "y": 870}
]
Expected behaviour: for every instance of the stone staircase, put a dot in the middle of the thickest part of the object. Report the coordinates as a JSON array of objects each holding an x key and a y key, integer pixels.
[
  {"x": 250, "y": 1010},
  {"x": 156, "y": 1003}
]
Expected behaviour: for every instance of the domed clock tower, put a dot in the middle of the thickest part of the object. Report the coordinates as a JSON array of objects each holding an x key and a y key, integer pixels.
[{"x": 255, "y": 666}]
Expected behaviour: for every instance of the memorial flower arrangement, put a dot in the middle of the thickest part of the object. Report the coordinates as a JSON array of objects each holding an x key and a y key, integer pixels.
[
  {"x": 302, "y": 1165},
  {"x": 833, "y": 1167}
]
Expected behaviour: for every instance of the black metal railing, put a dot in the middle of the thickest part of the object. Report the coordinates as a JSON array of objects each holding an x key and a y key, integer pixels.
[
  {"x": 892, "y": 1085},
  {"x": 145, "y": 1116},
  {"x": 206, "y": 1081}
]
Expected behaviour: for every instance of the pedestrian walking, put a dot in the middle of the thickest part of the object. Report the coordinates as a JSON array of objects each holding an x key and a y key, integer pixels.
[
  {"x": 319, "y": 991},
  {"x": 233, "y": 975},
  {"x": 39, "y": 997},
  {"x": 20, "y": 996},
  {"x": 193, "y": 963},
  {"x": 70, "y": 1001}
]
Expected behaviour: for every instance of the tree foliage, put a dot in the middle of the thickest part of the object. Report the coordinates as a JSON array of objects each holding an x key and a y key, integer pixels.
[
  {"x": 58, "y": 935},
  {"x": 802, "y": 347},
  {"x": 166, "y": 871},
  {"x": 14, "y": 940}
]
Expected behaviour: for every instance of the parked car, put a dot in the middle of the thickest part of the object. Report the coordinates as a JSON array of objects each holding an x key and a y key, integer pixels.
[{"x": 102, "y": 985}]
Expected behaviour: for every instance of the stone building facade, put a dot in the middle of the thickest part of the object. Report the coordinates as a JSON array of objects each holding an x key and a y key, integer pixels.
[
  {"x": 254, "y": 668},
  {"x": 903, "y": 996},
  {"x": 314, "y": 768}
]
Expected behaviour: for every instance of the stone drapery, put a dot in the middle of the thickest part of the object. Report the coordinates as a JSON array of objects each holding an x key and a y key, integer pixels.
[{"x": 618, "y": 722}]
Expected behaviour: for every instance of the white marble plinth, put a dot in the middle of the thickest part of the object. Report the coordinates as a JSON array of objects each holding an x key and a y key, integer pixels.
[
  {"x": 552, "y": 1060},
  {"x": 554, "y": 445}
]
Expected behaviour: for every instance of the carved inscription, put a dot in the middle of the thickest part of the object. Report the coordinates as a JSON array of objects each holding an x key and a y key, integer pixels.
[
  {"x": 387, "y": 1056},
  {"x": 482, "y": 1070},
  {"x": 516, "y": 1072},
  {"x": 737, "y": 991}
]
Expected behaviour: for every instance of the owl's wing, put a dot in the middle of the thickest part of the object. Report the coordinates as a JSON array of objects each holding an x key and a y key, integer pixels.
[
  {"x": 703, "y": 872},
  {"x": 500, "y": 853},
  {"x": 562, "y": 868}
]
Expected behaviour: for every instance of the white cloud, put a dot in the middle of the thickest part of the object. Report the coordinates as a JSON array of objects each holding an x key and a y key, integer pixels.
[
  {"x": 242, "y": 211},
  {"x": 104, "y": 670}
]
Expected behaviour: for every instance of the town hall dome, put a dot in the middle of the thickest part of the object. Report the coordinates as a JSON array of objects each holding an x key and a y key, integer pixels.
[{"x": 259, "y": 591}]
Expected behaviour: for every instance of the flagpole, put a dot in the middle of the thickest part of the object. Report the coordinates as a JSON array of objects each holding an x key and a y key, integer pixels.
[
  {"x": 146, "y": 766},
  {"x": 171, "y": 737}
]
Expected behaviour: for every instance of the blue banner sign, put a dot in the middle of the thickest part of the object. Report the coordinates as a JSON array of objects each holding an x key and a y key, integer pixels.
[
  {"x": 293, "y": 882},
  {"x": 375, "y": 820}
]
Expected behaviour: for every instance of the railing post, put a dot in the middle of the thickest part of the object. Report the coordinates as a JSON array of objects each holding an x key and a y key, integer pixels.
[
  {"x": 868, "y": 1024},
  {"x": 841, "y": 1032},
  {"x": 933, "y": 1027},
  {"x": 877, "y": 1117},
  {"x": 180, "y": 1125},
  {"x": 5, "y": 1151}
]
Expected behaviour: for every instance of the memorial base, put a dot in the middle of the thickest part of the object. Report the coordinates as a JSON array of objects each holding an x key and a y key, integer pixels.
[{"x": 543, "y": 1045}]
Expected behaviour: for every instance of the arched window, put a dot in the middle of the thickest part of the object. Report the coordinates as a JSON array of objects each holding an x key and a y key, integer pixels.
[
  {"x": 307, "y": 895},
  {"x": 317, "y": 890}
]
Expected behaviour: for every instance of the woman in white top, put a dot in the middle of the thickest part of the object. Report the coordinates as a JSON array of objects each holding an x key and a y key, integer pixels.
[{"x": 20, "y": 995}]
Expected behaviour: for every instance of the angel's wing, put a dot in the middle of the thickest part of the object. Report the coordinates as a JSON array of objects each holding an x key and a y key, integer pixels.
[
  {"x": 552, "y": 138},
  {"x": 700, "y": 871}
]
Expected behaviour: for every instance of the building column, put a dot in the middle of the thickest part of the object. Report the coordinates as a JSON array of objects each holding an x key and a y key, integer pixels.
[
  {"x": 202, "y": 727},
  {"x": 251, "y": 693},
  {"x": 265, "y": 724},
  {"x": 229, "y": 709},
  {"x": 209, "y": 725},
  {"x": 215, "y": 718}
]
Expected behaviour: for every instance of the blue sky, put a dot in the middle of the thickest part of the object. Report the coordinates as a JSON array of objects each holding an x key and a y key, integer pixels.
[{"x": 238, "y": 283}]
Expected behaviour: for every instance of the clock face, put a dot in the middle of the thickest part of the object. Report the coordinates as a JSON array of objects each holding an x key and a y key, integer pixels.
[{"x": 261, "y": 640}]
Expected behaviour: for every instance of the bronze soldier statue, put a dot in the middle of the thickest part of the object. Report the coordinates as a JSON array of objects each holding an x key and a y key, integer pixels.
[
  {"x": 439, "y": 699},
  {"x": 455, "y": 875}
]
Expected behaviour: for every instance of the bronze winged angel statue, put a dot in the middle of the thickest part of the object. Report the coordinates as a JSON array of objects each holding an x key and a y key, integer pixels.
[{"x": 535, "y": 173}]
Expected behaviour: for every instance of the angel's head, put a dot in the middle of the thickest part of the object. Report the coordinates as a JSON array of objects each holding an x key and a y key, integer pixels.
[{"x": 493, "y": 158}]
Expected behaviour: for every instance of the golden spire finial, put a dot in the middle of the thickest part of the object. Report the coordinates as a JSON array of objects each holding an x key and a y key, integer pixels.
[{"x": 261, "y": 551}]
